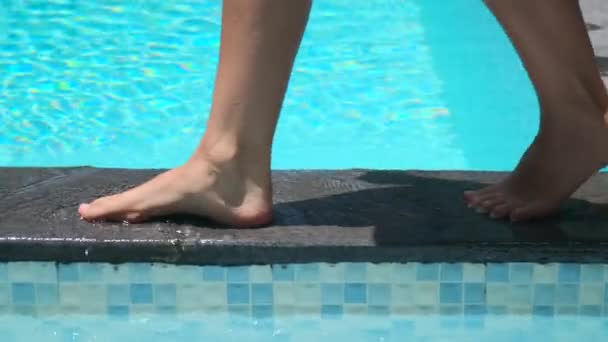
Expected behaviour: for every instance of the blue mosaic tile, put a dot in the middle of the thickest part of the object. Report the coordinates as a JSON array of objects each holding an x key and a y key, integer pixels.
[
  {"x": 165, "y": 294},
  {"x": 262, "y": 294},
  {"x": 307, "y": 272},
  {"x": 450, "y": 293},
  {"x": 332, "y": 294},
  {"x": 543, "y": 310},
  {"x": 262, "y": 311},
  {"x": 23, "y": 294},
  {"x": 569, "y": 273},
  {"x": 355, "y": 293},
  {"x": 497, "y": 273},
  {"x": 283, "y": 273},
  {"x": 567, "y": 294},
  {"x": 118, "y": 311},
  {"x": 544, "y": 294},
  {"x": 521, "y": 272},
  {"x": 118, "y": 295},
  {"x": 141, "y": 294},
  {"x": 331, "y": 311},
  {"x": 355, "y": 272},
  {"x": 47, "y": 294},
  {"x": 591, "y": 310},
  {"x": 237, "y": 274},
  {"x": 238, "y": 293},
  {"x": 213, "y": 273},
  {"x": 25, "y": 310},
  {"x": 427, "y": 272},
  {"x": 3, "y": 272},
  {"x": 451, "y": 272},
  {"x": 474, "y": 293},
  {"x": 475, "y": 310},
  {"x": 68, "y": 272},
  {"x": 140, "y": 273},
  {"x": 91, "y": 272},
  {"x": 379, "y": 294}
]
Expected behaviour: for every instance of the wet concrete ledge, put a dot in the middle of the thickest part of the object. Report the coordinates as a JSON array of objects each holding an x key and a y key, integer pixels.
[{"x": 321, "y": 216}]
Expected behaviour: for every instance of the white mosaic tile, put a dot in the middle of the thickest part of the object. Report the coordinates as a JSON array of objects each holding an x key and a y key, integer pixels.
[
  {"x": 69, "y": 294},
  {"x": 212, "y": 294},
  {"x": 284, "y": 294},
  {"x": 545, "y": 273},
  {"x": 496, "y": 294},
  {"x": 592, "y": 294},
  {"x": 426, "y": 293},
  {"x": 260, "y": 274},
  {"x": 116, "y": 274},
  {"x": 404, "y": 273},
  {"x": 474, "y": 273},
  {"x": 21, "y": 272},
  {"x": 403, "y": 294},
  {"x": 307, "y": 293},
  {"x": 331, "y": 272},
  {"x": 379, "y": 273}
]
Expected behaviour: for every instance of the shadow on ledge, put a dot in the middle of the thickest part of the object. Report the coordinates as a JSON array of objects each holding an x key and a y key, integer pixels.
[{"x": 401, "y": 208}]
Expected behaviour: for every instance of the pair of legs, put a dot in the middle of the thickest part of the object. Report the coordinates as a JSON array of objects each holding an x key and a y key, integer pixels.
[{"x": 228, "y": 176}]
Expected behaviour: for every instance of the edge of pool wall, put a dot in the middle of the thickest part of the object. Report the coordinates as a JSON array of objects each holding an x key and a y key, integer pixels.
[{"x": 320, "y": 216}]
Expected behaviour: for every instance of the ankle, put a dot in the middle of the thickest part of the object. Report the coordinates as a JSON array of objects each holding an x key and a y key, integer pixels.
[
  {"x": 578, "y": 95},
  {"x": 250, "y": 165}
]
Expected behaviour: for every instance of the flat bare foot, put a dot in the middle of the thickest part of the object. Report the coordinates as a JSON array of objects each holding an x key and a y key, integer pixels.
[
  {"x": 225, "y": 192},
  {"x": 564, "y": 155}
]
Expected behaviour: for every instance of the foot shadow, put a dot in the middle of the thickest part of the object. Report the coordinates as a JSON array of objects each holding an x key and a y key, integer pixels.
[
  {"x": 418, "y": 208},
  {"x": 401, "y": 208}
]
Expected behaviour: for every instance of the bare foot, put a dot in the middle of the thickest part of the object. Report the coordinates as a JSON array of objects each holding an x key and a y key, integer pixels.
[
  {"x": 224, "y": 192},
  {"x": 564, "y": 155}
]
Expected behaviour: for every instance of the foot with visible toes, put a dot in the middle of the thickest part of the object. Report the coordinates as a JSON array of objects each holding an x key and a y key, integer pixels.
[
  {"x": 563, "y": 156},
  {"x": 229, "y": 192}
]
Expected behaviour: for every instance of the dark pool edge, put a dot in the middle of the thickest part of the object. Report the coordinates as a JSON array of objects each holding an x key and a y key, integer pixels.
[
  {"x": 232, "y": 255},
  {"x": 329, "y": 216}
]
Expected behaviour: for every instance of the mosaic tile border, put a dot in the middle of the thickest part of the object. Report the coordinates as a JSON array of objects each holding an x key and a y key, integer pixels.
[{"x": 326, "y": 290}]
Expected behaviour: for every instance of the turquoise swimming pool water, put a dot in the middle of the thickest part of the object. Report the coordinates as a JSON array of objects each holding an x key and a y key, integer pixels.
[{"x": 421, "y": 84}]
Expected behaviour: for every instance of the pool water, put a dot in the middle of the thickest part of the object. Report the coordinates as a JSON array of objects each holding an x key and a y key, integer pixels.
[
  {"x": 421, "y": 84},
  {"x": 207, "y": 327}
]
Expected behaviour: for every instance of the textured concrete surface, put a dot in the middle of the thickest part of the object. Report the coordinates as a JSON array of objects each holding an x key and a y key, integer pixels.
[
  {"x": 351, "y": 215},
  {"x": 596, "y": 17}
]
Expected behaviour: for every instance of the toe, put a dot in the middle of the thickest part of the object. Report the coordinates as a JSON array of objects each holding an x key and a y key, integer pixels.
[
  {"x": 471, "y": 195},
  {"x": 502, "y": 210},
  {"x": 530, "y": 211},
  {"x": 111, "y": 207},
  {"x": 488, "y": 204},
  {"x": 481, "y": 201}
]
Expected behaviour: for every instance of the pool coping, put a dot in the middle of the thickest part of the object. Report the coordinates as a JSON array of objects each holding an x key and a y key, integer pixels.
[{"x": 320, "y": 216}]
